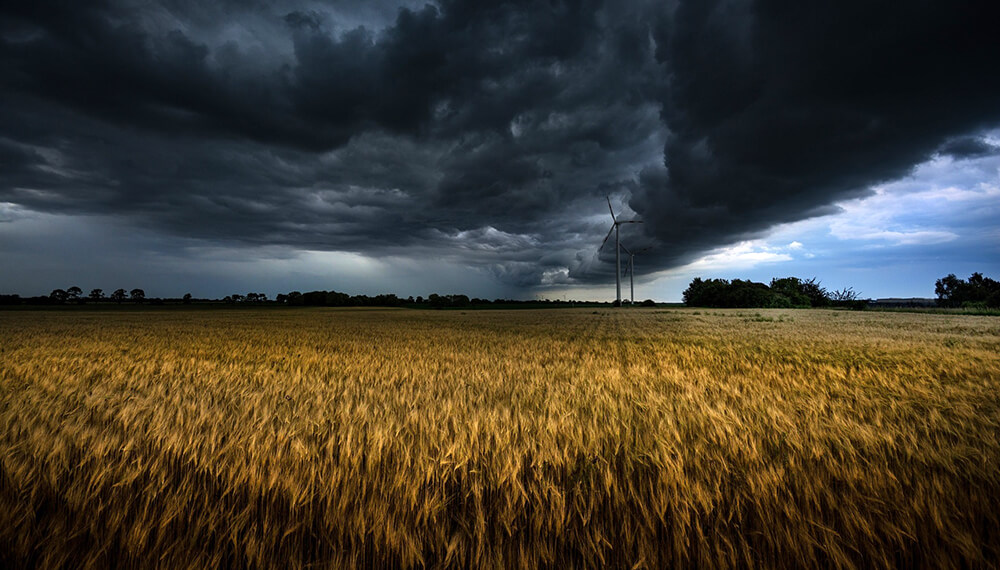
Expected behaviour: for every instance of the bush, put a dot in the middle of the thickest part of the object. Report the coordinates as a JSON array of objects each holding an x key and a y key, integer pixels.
[
  {"x": 780, "y": 302},
  {"x": 993, "y": 301}
]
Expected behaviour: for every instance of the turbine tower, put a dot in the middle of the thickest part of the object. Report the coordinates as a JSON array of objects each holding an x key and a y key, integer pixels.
[
  {"x": 615, "y": 222},
  {"x": 630, "y": 271}
]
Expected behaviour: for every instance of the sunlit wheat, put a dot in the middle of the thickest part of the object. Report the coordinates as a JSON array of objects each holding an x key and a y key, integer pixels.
[{"x": 570, "y": 438}]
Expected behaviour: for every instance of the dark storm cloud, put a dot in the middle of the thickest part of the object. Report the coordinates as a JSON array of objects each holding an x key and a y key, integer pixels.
[
  {"x": 482, "y": 133},
  {"x": 777, "y": 109},
  {"x": 968, "y": 147}
]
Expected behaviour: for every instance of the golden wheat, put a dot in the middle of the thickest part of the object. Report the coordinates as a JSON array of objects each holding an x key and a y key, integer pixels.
[{"x": 570, "y": 438}]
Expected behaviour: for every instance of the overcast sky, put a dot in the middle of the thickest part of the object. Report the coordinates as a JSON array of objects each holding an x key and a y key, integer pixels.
[{"x": 410, "y": 147}]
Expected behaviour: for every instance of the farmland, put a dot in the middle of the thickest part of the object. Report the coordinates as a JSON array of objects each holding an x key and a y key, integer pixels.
[{"x": 494, "y": 439}]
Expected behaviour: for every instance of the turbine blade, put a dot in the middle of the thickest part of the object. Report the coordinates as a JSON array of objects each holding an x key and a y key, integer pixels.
[
  {"x": 630, "y": 222},
  {"x": 612, "y": 209},
  {"x": 606, "y": 237},
  {"x": 621, "y": 245}
]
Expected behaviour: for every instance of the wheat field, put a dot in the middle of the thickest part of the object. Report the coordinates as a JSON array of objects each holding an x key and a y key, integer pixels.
[{"x": 324, "y": 438}]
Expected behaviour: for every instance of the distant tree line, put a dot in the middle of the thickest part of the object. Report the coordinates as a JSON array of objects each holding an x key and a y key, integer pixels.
[
  {"x": 338, "y": 299},
  {"x": 74, "y": 296},
  {"x": 249, "y": 298},
  {"x": 975, "y": 292},
  {"x": 786, "y": 292}
]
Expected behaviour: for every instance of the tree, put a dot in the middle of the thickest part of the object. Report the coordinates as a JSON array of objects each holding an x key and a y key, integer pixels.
[
  {"x": 96, "y": 294},
  {"x": 801, "y": 292},
  {"x": 137, "y": 295},
  {"x": 118, "y": 296},
  {"x": 703, "y": 293},
  {"x": 335, "y": 299},
  {"x": 792, "y": 289},
  {"x": 844, "y": 295},
  {"x": 947, "y": 289},
  {"x": 817, "y": 294},
  {"x": 255, "y": 297},
  {"x": 187, "y": 298},
  {"x": 73, "y": 293},
  {"x": 993, "y": 301},
  {"x": 313, "y": 298},
  {"x": 748, "y": 294},
  {"x": 784, "y": 292},
  {"x": 58, "y": 295},
  {"x": 954, "y": 292}
]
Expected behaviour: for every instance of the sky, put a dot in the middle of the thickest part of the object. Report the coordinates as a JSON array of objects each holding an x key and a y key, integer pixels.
[{"x": 473, "y": 147}]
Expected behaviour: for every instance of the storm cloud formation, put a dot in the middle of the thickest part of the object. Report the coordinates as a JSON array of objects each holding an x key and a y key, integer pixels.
[
  {"x": 483, "y": 133},
  {"x": 777, "y": 109}
]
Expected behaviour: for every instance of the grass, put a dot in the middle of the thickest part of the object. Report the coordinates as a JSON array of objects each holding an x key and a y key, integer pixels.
[
  {"x": 393, "y": 438},
  {"x": 981, "y": 311}
]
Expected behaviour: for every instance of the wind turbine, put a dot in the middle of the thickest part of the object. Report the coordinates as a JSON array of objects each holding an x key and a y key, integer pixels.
[
  {"x": 615, "y": 222},
  {"x": 630, "y": 271}
]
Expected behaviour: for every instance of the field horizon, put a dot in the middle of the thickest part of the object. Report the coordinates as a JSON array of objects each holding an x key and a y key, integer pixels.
[{"x": 593, "y": 437}]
